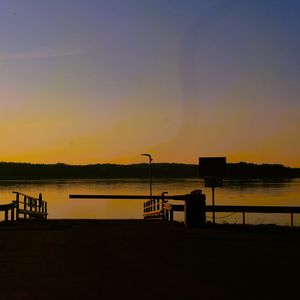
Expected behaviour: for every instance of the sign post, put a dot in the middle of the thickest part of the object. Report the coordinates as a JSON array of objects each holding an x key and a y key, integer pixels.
[{"x": 212, "y": 169}]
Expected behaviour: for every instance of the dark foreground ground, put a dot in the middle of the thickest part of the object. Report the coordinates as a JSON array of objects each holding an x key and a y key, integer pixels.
[{"x": 87, "y": 259}]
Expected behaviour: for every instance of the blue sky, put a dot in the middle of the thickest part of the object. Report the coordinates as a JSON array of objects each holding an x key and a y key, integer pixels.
[{"x": 103, "y": 81}]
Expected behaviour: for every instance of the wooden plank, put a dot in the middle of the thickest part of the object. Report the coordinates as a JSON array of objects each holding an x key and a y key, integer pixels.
[
  {"x": 32, "y": 213},
  {"x": 13, "y": 214}
]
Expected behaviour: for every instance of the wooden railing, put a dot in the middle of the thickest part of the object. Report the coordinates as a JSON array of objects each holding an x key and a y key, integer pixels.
[
  {"x": 154, "y": 208},
  {"x": 193, "y": 208},
  {"x": 161, "y": 209},
  {"x": 170, "y": 208},
  {"x": 255, "y": 209},
  {"x": 157, "y": 207},
  {"x": 30, "y": 207}
]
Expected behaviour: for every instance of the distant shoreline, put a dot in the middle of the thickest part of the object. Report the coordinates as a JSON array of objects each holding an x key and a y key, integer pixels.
[{"x": 240, "y": 170}]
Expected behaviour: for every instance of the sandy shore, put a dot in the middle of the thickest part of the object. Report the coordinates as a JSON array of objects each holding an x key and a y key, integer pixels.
[{"x": 91, "y": 259}]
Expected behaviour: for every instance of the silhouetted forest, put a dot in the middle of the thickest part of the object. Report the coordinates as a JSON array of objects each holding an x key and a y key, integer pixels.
[{"x": 159, "y": 170}]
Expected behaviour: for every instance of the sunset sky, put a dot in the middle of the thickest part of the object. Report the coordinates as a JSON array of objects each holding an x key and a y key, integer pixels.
[{"x": 86, "y": 81}]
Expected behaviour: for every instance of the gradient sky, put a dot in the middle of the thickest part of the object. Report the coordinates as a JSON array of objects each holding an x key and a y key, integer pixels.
[{"x": 86, "y": 81}]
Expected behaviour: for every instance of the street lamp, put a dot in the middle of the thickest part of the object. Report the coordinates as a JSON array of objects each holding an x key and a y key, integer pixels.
[{"x": 150, "y": 172}]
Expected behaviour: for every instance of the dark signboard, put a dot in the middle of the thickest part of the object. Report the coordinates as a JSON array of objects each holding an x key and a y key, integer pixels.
[{"x": 212, "y": 166}]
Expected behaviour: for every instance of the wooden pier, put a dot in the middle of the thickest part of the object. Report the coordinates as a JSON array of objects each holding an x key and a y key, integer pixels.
[
  {"x": 166, "y": 212},
  {"x": 156, "y": 207},
  {"x": 194, "y": 207},
  {"x": 25, "y": 206}
]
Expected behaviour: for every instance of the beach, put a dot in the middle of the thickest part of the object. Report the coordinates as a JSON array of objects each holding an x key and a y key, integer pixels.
[{"x": 137, "y": 259}]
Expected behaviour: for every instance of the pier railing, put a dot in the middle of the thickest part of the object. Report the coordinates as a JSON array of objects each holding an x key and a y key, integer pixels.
[
  {"x": 157, "y": 207},
  {"x": 194, "y": 207},
  {"x": 169, "y": 210},
  {"x": 255, "y": 209},
  {"x": 153, "y": 209},
  {"x": 30, "y": 207}
]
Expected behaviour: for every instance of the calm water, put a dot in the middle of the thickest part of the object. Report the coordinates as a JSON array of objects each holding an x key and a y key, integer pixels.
[{"x": 251, "y": 192}]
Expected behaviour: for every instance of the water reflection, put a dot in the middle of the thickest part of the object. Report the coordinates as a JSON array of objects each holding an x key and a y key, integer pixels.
[
  {"x": 265, "y": 183},
  {"x": 283, "y": 192}
]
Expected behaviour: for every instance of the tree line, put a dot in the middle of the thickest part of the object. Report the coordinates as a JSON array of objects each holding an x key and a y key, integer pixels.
[{"x": 9, "y": 170}]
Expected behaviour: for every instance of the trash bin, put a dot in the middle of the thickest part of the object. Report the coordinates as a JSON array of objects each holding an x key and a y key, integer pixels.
[{"x": 194, "y": 209}]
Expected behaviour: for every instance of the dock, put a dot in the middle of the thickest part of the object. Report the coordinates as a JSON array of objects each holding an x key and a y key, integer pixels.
[
  {"x": 193, "y": 205},
  {"x": 25, "y": 206}
]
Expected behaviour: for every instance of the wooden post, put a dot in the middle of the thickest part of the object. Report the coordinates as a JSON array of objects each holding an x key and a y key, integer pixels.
[
  {"x": 17, "y": 205},
  {"x": 30, "y": 207},
  {"x": 6, "y": 215},
  {"x": 25, "y": 206},
  {"x": 166, "y": 215},
  {"x": 243, "y": 218},
  {"x": 46, "y": 210},
  {"x": 13, "y": 213},
  {"x": 40, "y": 202},
  {"x": 292, "y": 219},
  {"x": 213, "y": 204},
  {"x": 171, "y": 215}
]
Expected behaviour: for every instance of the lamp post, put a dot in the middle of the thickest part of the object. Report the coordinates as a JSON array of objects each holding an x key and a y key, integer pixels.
[{"x": 150, "y": 172}]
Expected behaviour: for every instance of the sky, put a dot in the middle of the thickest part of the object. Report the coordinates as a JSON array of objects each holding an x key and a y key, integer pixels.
[{"x": 102, "y": 81}]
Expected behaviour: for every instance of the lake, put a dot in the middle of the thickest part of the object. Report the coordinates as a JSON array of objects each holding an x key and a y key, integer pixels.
[{"x": 284, "y": 192}]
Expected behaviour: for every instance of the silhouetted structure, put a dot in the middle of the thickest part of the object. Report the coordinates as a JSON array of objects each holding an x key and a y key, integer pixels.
[
  {"x": 194, "y": 207},
  {"x": 24, "y": 207},
  {"x": 159, "y": 208},
  {"x": 30, "y": 207}
]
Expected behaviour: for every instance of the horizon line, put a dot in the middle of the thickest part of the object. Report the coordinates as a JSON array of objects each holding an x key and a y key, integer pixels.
[{"x": 138, "y": 163}]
